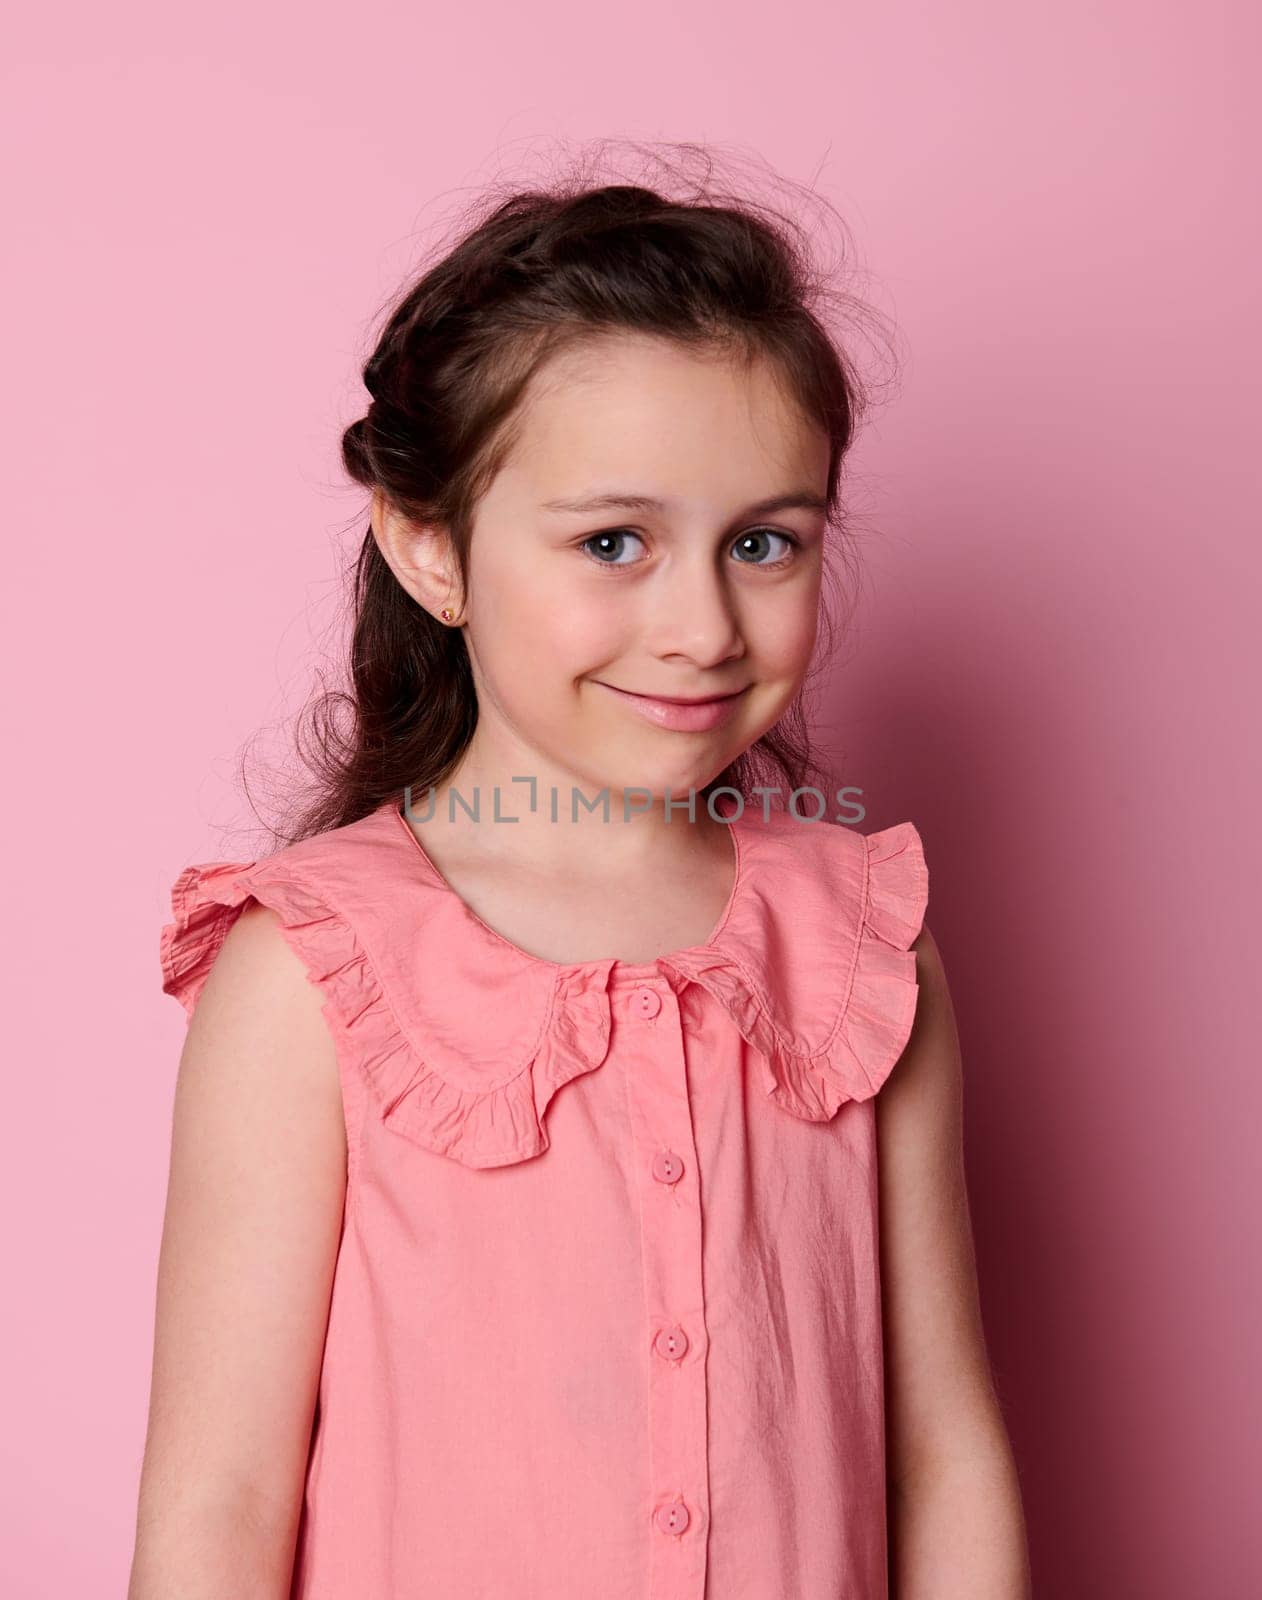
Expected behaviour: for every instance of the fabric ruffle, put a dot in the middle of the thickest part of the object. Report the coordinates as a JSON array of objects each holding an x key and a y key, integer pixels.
[
  {"x": 877, "y": 991},
  {"x": 489, "y": 1126},
  {"x": 821, "y": 982}
]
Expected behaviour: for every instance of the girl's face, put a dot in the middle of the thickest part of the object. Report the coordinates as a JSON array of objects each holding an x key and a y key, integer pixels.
[{"x": 655, "y": 535}]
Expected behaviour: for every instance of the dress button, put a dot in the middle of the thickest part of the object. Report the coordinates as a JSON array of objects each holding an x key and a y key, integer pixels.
[
  {"x": 672, "y": 1518},
  {"x": 646, "y": 1002},
  {"x": 667, "y": 1167},
  {"x": 671, "y": 1343}
]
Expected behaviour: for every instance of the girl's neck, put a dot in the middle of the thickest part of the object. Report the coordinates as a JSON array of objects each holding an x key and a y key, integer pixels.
[{"x": 578, "y": 890}]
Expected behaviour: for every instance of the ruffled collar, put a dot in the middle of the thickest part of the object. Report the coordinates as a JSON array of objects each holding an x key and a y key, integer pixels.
[
  {"x": 464, "y": 1038},
  {"x": 810, "y": 959}
]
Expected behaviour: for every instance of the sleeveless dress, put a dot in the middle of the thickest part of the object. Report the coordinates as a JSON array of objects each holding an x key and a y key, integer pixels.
[{"x": 606, "y": 1315}]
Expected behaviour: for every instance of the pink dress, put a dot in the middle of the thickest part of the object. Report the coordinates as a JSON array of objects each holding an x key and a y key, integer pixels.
[{"x": 606, "y": 1315}]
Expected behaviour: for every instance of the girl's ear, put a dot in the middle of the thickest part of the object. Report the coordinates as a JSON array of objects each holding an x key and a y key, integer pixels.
[{"x": 421, "y": 557}]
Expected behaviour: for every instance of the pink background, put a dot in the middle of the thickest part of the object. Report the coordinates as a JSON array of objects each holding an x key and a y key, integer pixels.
[{"x": 1051, "y": 676}]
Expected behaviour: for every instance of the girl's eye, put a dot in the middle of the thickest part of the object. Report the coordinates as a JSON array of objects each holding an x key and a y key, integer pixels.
[
  {"x": 755, "y": 538},
  {"x": 607, "y": 557},
  {"x": 607, "y": 548}
]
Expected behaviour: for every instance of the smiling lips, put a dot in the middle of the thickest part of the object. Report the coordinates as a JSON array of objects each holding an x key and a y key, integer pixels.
[{"x": 682, "y": 715}]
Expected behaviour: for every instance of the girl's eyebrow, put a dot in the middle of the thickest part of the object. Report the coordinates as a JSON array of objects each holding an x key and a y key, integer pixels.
[{"x": 800, "y": 500}]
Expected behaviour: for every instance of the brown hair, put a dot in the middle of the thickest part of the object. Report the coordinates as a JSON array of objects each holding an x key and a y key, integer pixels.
[{"x": 532, "y": 271}]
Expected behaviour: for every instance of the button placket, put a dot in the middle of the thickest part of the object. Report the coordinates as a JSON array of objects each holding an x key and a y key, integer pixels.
[{"x": 670, "y": 1216}]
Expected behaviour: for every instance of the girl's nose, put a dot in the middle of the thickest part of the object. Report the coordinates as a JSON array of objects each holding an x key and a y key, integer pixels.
[{"x": 695, "y": 615}]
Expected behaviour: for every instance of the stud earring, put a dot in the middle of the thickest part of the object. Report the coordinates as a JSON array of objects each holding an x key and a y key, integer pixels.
[{"x": 447, "y": 614}]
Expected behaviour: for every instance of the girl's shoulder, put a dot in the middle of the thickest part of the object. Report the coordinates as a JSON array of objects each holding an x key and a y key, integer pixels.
[
  {"x": 325, "y": 890},
  {"x": 823, "y": 937},
  {"x": 455, "y": 1047}
]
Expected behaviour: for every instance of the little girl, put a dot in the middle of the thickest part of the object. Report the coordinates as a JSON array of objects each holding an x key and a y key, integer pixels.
[{"x": 521, "y": 1240}]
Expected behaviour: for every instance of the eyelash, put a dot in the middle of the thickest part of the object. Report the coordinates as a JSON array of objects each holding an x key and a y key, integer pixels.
[{"x": 621, "y": 566}]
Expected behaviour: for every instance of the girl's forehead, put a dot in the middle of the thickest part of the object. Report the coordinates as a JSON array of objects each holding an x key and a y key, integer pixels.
[
  {"x": 617, "y": 364},
  {"x": 652, "y": 423}
]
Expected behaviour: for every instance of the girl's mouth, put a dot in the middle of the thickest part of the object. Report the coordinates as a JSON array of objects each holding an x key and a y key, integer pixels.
[{"x": 681, "y": 715}]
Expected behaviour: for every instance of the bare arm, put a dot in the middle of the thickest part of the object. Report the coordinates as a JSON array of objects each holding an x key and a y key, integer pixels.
[
  {"x": 253, "y": 1219},
  {"x": 956, "y": 1524}
]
